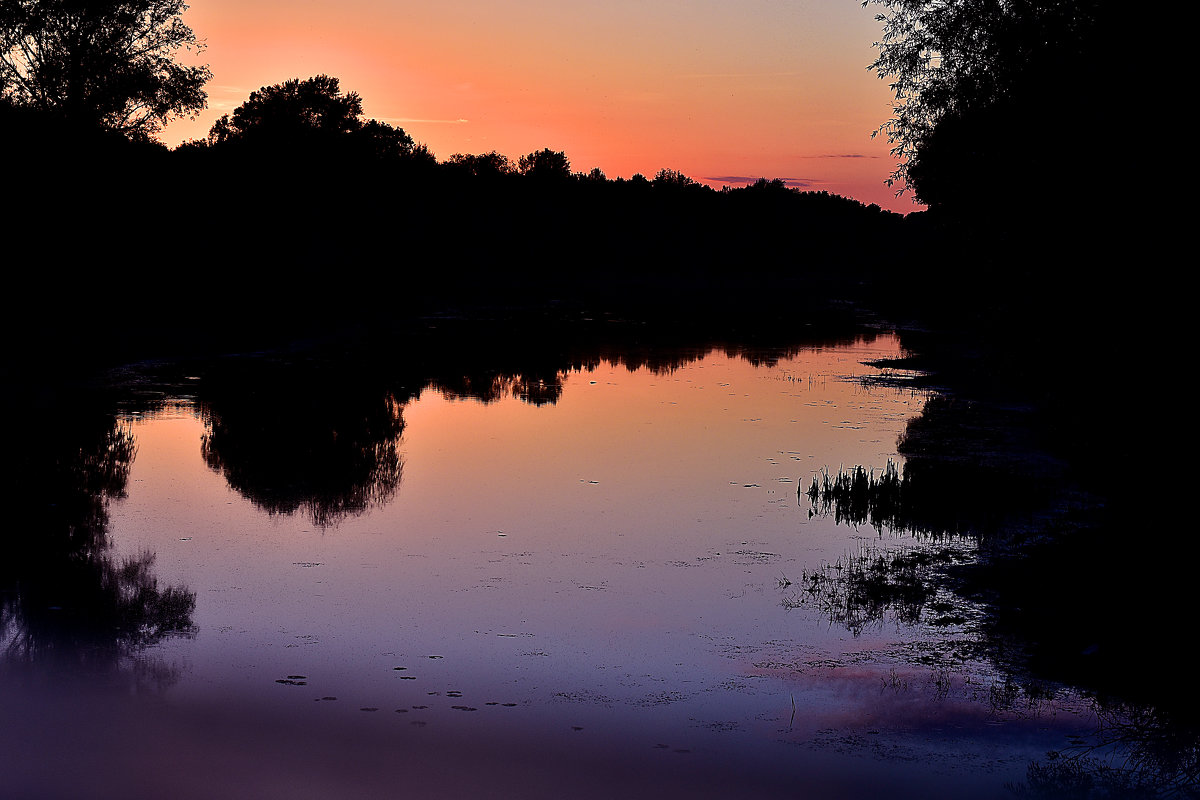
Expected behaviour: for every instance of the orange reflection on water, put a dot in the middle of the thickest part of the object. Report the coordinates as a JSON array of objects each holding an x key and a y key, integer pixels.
[
  {"x": 609, "y": 563},
  {"x": 637, "y": 504},
  {"x": 638, "y": 444}
]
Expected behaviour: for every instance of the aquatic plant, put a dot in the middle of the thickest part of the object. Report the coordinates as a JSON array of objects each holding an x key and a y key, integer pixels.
[
  {"x": 859, "y": 496},
  {"x": 933, "y": 497},
  {"x": 861, "y": 589}
]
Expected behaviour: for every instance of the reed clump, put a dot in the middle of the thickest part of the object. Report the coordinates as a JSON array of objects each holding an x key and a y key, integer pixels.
[
  {"x": 860, "y": 496},
  {"x": 928, "y": 497},
  {"x": 861, "y": 589}
]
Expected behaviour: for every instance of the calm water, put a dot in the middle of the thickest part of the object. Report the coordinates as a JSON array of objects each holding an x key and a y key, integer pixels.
[{"x": 586, "y": 586}]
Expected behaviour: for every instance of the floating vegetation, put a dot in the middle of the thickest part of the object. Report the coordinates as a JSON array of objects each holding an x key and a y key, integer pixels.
[{"x": 861, "y": 589}]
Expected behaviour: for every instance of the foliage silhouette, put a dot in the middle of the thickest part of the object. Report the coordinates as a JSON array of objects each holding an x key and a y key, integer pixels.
[
  {"x": 328, "y": 220},
  {"x": 980, "y": 84},
  {"x": 312, "y": 113},
  {"x": 545, "y": 165},
  {"x": 1049, "y": 530},
  {"x": 672, "y": 179},
  {"x": 66, "y": 600},
  {"x": 373, "y": 233},
  {"x": 310, "y": 440},
  {"x": 485, "y": 165},
  {"x": 292, "y": 108},
  {"x": 101, "y": 63}
]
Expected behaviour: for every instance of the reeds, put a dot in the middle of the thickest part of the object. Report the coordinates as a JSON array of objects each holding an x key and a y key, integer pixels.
[
  {"x": 860, "y": 589},
  {"x": 860, "y": 496}
]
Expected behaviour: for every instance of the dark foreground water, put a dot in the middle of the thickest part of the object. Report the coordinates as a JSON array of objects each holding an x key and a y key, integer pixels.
[{"x": 597, "y": 580}]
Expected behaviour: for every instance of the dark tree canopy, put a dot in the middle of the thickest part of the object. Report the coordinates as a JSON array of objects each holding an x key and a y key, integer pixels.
[
  {"x": 290, "y": 108},
  {"x": 483, "y": 165},
  {"x": 383, "y": 141},
  {"x": 976, "y": 80},
  {"x": 672, "y": 179},
  {"x": 66, "y": 595},
  {"x": 545, "y": 164},
  {"x": 100, "y": 63},
  {"x": 302, "y": 113},
  {"x": 331, "y": 451}
]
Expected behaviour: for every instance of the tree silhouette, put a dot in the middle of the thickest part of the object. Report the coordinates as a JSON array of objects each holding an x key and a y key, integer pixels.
[
  {"x": 484, "y": 165},
  {"x": 312, "y": 112},
  {"x": 309, "y": 440},
  {"x": 984, "y": 83},
  {"x": 672, "y": 178},
  {"x": 383, "y": 141},
  {"x": 290, "y": 109},
  {"x": 101, "y": 63},
  {"x": 545, "y": 164},
  {"x": 66, "y": 596}
]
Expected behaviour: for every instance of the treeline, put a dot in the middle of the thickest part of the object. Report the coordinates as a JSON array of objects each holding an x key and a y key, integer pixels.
[
  {"x": 297, "y": 209},
  {"x": 523, "y": 225}
]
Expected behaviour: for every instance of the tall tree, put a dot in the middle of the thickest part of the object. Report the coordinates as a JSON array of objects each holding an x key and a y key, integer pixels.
[
  {"x": 545, "y": 164},
  {"x": 313, "y": 112},
  {"x": 986, "y": 89},
  {"x": 293, "y": 108},
  {"x": 101, "y": 63}
]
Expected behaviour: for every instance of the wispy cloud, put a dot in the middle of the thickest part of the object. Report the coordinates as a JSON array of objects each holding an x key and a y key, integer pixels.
[
  {"x": 229, "y": 97},
  {"x": 709, "y": 75},
  {"x": 459, "y": 121},
  {"x": 840, "y": 155}
]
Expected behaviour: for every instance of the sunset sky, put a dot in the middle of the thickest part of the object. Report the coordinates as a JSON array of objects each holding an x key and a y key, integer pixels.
[{"x": 724, "y": 92}]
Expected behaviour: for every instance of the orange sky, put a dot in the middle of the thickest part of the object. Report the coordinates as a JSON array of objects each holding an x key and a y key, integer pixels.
[{"x": 724, "y": 92}]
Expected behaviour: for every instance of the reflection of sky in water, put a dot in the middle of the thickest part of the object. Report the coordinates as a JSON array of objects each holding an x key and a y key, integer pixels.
[{"x": 605, "y": 568}]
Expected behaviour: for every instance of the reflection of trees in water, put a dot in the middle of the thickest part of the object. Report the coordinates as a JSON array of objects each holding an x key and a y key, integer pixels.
[
  {"x": 304, "y": 441},
  {"x": 65, "y": 597},
  {"x": 969, "y": 481},
  {"x": 538, "y": 381},
  {"x": 541, "y": 384},
  {"x": 952, "y": 493},
  {"x": 666, "y": 360},
  {"x": 538, "y": 390},
  {"x": 969, "y": 470},
  {"x": 1033, "y": 553},
  {"x": 535, "y": 369},
  {"x": 1139, "y": 750},
  {"x": 94, "y": 611},
  {"x": 322, "y": 434}
]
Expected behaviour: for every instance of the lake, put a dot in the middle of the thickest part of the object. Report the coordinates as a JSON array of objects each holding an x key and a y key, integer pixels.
[{"x": 599, "y": 578}]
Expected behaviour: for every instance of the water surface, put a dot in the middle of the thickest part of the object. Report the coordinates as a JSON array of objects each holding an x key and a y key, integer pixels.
[{"x": 588, "y": 582}]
